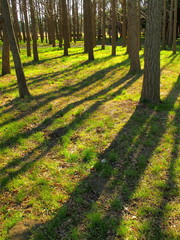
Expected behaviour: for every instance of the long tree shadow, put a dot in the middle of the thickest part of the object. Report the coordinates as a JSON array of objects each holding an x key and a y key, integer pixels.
[
  {"x": 26, "y": 162},
  {"x": 170, "y": 191},
  {"x": 129, "y": 146},
  {"x": 66, "y": 91}
]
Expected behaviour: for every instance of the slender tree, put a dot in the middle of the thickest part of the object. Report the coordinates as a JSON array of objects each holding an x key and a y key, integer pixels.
[
  {"x": 133, "y": 36},
  {"x": 34, "y": 31},
  {"x": 175, "y": 26},
  {"x": 65, "y": 27},
  {"x": 104, "y": 24},
  {"x": 5, "y": 52},
  {"x": 113, "y": 6},
  {"x": 151, "y": 82},
  {"x": 124, "y": 23},
  {"x": 23, "y": 90},
  {"x": 164, "y": 24},
  {"x": 90, "y": 30},
  {"x": 28, "y": 37}
]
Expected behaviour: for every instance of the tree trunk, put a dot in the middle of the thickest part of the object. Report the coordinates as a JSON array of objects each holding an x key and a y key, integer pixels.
[
  {"x": 104, "y": 25},
  {"x": 5, "y": 53},
  {"x": 124, "y": 24},
  {"x": 164, "y": 25},
  {"x": 151, "y": 82},
  {"x": 15, "y": 18},
  {"x": 34, "y": 31},
  {"x": 28, "y": 37},
  {"x": 170, "y": 38},
  {"x": 90, "y": 31},
  {"x": 175, "y": 26},
  {"x": 133, "y": 36},
  {"x": 65, "y": 27},
  {"x": 23, "y": 90},
  {"x": 113, "y": 6}
]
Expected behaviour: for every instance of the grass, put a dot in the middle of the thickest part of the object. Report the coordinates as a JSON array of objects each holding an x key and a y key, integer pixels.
[{"x": 81, "y": 158}]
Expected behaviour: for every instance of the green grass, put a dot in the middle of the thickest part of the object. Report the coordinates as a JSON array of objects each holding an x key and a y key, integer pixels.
[{"x": 81, "y": 158}]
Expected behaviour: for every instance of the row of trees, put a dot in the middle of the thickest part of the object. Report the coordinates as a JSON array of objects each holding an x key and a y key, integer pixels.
[{"x": 71, "y": 20}]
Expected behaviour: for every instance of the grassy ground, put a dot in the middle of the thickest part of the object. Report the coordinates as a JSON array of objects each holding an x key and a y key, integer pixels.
[{"x": 82, "y": 159}]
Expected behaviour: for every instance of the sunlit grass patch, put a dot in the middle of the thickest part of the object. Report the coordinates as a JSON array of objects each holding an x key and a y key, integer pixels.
[{"x": 82, "y": 156}]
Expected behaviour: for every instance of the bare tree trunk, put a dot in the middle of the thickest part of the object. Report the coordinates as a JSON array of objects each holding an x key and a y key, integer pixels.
[
  {"x": 85, "y": 26},
  {"x": 133, "y": 36},
  {"x": 90, "y": 31},
  {"x": 23, "y": 90},
  {"x": 151, "y": 82},
  {"x": 5, "y": 53},
  {"x": 170, "y": 38},
  {"x": 28, "y": 37},
  {"x": 164, "y": 25},
  {"x": 15, "y": 18},
  {"x": 34, "y": 31},
  {"x": 60, "y": 24},
  {"x": 113, "y": 5},
  {"x": 65, "y": 27},
  {"x": 124, "y": 24},
  {"x": 74, "y": 21},
  {"x": 104, "y": 25},
  {"x": 139, "y": 22},
  {"x": 175, "y": 26}
]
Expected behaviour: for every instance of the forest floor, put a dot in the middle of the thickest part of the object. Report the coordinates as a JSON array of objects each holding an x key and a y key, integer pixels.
[{"x": 82, "y": 158}]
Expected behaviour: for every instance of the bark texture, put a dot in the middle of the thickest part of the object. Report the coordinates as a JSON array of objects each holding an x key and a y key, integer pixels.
[
  {"x": 151, "y": 82},
  {"x": 133, "y": 36},
  {"x": 23, "y": 90}
]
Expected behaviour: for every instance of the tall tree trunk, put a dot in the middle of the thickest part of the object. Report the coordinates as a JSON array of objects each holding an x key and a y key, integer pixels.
[
  {"x": 113, "y": 17},
  {"x": 94, "y": 22},
  {"x": 133, "y": 36},
  {"x": 85, "y": 26},
  {"x": 99, "y": 20},
  {"x": 34, "y": 31},
  {"x": 104, "y": 25},
  {"x": 77, "y": 20},
  {"x": 74, "y": 21},
  {"x": 124, "y": 24},
  {"x": 5, "y": 53},
  {"x": 170, "y": 38},
  {"x": 151, "y": 82},
  {"x": 139, "y": 22},
  {"x": 90, "y": 31},
  {"x": 22, "y": 21},
  {"x": 23, "y": 90},
  {"x": 164, "y": 25},
  {"x": 65, "y": 27},
  {"x": 15, "y": 18},
  {"x": 60, "y": 24},
  {"x": 175, "y": 26},
  {"x": 28, "y": 37}
]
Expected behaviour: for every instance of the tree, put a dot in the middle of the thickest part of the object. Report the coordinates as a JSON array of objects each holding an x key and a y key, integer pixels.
[
  {"x": 124, "y": 24},
  {"x": 5, "y": 51},
  {"x": 23, "y": 90},
  {"x": 104, "y": 25},
  {"x": 90, "y": 30},
  {"x": 170, "y": 37},
  {"x": 28, "y": 37},
  {"x": 133, "y": 36},
  {"x": 164, "y": 25},
  {"x": 151, "y": 82},
  {"x": 34, "y": 31},
  {"x": 113, "y": 5},
  {"x": 175, "y": 26},
  {"x": 65, "y": 27}
]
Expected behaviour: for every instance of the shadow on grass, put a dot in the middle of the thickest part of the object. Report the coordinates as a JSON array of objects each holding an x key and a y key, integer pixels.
[
  {"x": 158, "y": 221},
  {"x": 26, "y": 161},
  {"x": 128, "y": 146},
  {"x": 66, "y": 91}
]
